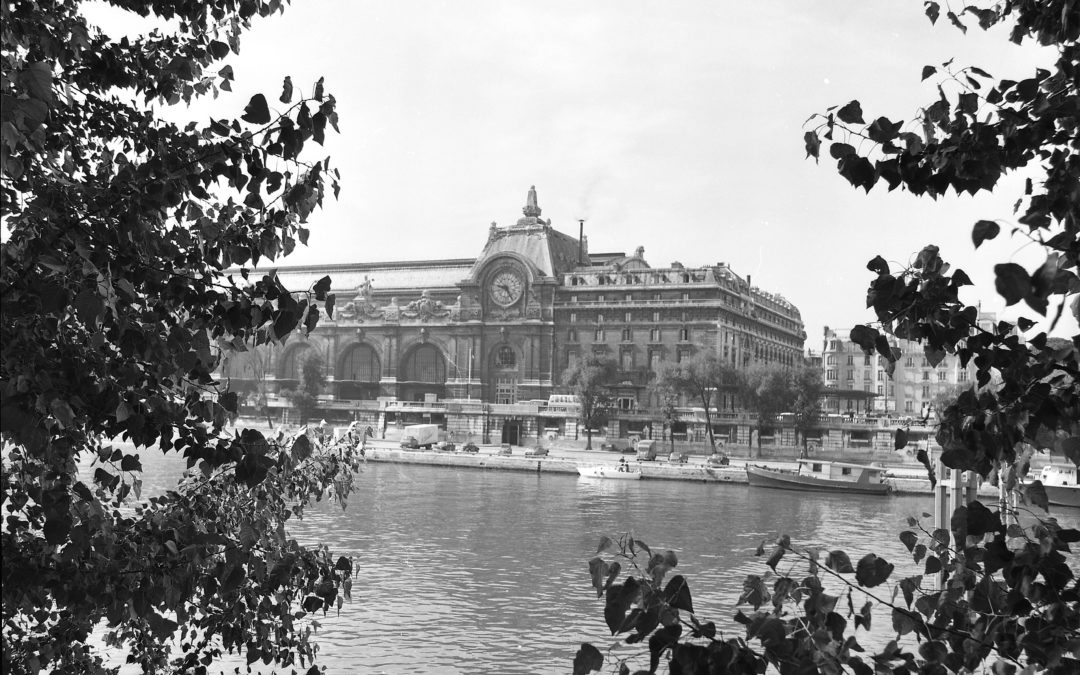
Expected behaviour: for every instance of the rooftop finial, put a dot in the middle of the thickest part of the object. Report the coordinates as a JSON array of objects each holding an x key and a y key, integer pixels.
[{"x": 532, "y": 209}]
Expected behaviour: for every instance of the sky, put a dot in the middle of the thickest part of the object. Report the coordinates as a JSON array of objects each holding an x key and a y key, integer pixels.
[{"x": 676, "y": 126}]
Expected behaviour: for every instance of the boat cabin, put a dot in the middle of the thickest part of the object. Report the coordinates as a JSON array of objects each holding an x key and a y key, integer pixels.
[
  {"x": 842, "y": 471},
  {"x": 1058, "y": 474}
]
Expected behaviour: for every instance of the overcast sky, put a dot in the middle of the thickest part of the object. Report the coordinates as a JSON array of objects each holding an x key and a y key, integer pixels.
[{"x": 676, "y": 126}]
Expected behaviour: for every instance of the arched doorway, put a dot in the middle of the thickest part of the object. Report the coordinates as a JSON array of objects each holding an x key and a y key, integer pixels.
[
  {"x": 358, "y": 373},
  {"x": 291, "y": 368},
  {"x": 423, "y": 372},
  {"x": 504, "y": 370},
  {"x": 504, "y": 375}
]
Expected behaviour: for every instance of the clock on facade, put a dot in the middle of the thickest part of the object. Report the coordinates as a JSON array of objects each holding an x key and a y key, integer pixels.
[{"x": 506, "y": 287}]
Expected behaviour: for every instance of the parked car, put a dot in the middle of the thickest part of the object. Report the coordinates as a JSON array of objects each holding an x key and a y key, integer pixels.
[
  {"x": 445, "y": 446},
  {"x": 678, "y": 457},
  {"x": 506, "y": 449},
  {"x": 718, "y": 459},
  {"x": 537, "y": 452},
  {"x": 617, "y": 445},
  {"x": 470, "y": 447}
]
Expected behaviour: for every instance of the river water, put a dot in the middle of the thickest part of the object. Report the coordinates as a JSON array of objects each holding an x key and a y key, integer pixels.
[{"x": 467, "y": 571}]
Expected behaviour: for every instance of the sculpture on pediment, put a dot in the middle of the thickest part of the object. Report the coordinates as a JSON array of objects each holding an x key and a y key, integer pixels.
[
  {"x": 347, "y": 311},
  {"x": 363, "y": 305},
  {"x": 532, "y": 211},
  {"x": 425, "y": 308}
]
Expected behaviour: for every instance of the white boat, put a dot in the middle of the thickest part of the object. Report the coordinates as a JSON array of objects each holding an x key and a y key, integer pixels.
[
  {"x": 1059, "y": 481},
  {"x": 609, "y": 472}
]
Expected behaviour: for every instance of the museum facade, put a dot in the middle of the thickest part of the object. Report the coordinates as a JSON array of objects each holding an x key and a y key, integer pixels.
[{"x": 478, "y": 345}]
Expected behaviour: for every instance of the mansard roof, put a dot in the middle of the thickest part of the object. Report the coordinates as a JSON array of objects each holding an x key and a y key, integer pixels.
[{"x": 391, "y": 276}]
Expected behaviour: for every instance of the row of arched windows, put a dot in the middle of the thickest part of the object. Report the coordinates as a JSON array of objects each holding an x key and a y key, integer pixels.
[{"x": 361, "y": 364}]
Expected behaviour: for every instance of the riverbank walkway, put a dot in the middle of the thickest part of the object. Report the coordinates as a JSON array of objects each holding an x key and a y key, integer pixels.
[{"x": 902, "y": 478}]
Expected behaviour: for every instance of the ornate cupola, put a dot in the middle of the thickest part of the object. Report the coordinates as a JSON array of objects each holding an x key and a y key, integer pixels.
[{"x": 531, "y": 240}]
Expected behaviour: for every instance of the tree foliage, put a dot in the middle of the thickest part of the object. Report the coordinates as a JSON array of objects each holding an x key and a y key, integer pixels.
[
  {"x": 1007, "y": 600},
  {"x": 590, "y": 379},
  {"x": 978, "y": 129},
  {"x": 805, "y": 408},
  {"x": 663, "y": 389},
  {"x": 700, "y": 378},
  {"x": 115, "y": 311},
  {"x": 984, "y": 595},
  {"x": 768, "y": 390},
  {"x": 255, "y": 365},
  {"x": 305, "y": 398}
]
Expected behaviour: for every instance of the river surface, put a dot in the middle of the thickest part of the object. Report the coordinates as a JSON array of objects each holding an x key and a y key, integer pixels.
[{"x": 467, "y": 571}]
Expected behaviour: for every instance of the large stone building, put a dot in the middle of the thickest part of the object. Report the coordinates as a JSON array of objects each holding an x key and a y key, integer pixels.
[
  {"x": 478, "y": 345},
  {"x": 858, "y": 382}
]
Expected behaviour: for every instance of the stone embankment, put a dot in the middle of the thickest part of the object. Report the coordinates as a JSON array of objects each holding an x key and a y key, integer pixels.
[{"x": 904, "y": 479}]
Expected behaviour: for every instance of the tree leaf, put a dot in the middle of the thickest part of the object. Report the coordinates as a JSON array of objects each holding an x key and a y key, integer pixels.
[
  {"x": 598, "y": 570},
  {"x": 1012, "y": 282},
  {"x": 984, "y": 230},
  {"x": 865, "y": 337},
  {"x": 677, "y": 594},
  {"x": 321, "y": 287},
  {"x": 1035, "y": 493},
  {"x": 927, "y": 71},
  {"x": 256, "y": 112},
  {"x": 900, "y": 442},
  {"x": 909, "y": 539},
  {"x": 286, "y": 90},
  {"x": 839, "y": 561},
  {"x": 878, "y": 265},
  {"x": 851, "y": 113},
  {"x": 218, "y": 49},
  {"x": 813, "y": 144},
  {"x": 903, "y": 621},
  {"x": 872, "y": 571},
  {"x": 933, "y": 11},
  {"x": 301, "y": 448},
  {"x": 587, "y": 659},
  {"x": 37, "y": 79}
]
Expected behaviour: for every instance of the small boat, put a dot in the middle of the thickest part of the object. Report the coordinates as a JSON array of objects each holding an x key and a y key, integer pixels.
[
  {"x": 1059, "y": 481},
  {"x": 609, "y": 472},
  {"x": 822, "y": 476}
]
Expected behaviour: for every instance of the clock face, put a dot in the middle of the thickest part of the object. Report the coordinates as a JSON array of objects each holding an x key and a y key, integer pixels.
[{"x": 506, "y": 287}]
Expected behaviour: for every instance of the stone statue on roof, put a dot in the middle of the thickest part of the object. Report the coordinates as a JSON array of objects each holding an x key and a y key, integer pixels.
[{"x": 532, "y": 208}]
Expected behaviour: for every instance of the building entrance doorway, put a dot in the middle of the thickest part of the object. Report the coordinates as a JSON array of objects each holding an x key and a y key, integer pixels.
[
  {"x": 505, "y": 376},
  {"x": 511, "y": 432}
]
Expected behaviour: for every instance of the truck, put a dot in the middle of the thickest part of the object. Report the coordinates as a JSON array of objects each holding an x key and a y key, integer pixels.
[
  {"x": 419, "y": 435},
  {"x": 646, "y": 451}
]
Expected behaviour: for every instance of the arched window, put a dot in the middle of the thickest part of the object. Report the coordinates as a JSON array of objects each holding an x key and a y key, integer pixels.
[
  {"x": 425, "y": 364},
  {"x": 234, "y": 365},
  {"x": 505, "y": 357},
  {"x": 292, "y": 364},
  {"x": 361, "y": 364}
]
